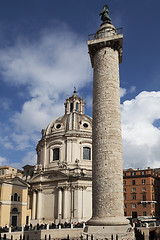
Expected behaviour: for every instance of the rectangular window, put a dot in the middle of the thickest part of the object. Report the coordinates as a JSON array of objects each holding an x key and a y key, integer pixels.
[
  {"x": 1, "y": 172},
  {"x": 55, "y": 154},
  {"x": 143, "y": 189},
  {"x": 77, "y": 107},
  {"x": 125, "y": 213},
  {"x": 125, "y": 196},
  {"x": 143, "y": 181},
  {"x": 144, "y": 205},
  {"x": 133, "y": 205},
  {"x": 143, "y": 173},
  {"x": 125, "y": 205},
  {"x": 71, "y": 107},
  {"x": 124, "y": 189},
  {"x": 133, "y": 173},
  {"x": 144, "y": 197},
  {"x": 133, "y": 189},
  {"x": 134, "y": 196},
  {"x": 124, "y": 183},
  {"x": 144, "y": 213},
  {"x": 133, "y": 182},
  {"x": 86, "y": 153},
  {"x": 134, "y": 214}
]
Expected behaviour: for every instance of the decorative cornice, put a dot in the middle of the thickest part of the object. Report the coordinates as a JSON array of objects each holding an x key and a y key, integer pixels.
[{"x": 4, "y": 202}]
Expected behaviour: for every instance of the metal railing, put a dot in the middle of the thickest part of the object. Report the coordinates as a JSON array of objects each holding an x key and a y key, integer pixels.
[{"x": 105, "y": 33}]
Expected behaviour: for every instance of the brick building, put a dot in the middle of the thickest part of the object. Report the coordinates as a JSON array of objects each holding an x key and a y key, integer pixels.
[{"x": 141, "y": 192}]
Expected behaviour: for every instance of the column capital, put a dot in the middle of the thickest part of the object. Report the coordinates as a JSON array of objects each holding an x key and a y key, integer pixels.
[
  {"x": 66, "y": 188},
  {"x": 80, "y": 187}
]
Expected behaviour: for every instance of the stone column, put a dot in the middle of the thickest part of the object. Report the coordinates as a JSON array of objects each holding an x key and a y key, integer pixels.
[
  {"x": 107, "y": 140},
  {"x": 78, "y": 211},
  {"x": 65, "y": 203},
  {"x": 39, "y": 204},
  {"x": 72, "y": 203},
  {"x": 107, "y": 189},
  {"x": 75, "y": 203},
  {"x": 59, "y": 203},
  {"x": 34, "y": 205}
]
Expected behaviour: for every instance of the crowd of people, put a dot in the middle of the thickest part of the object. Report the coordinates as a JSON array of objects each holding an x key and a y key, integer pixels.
[{"x": 40, "y": 227}]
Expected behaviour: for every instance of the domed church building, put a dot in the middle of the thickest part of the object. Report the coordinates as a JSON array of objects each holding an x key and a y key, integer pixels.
[{"x": 61, "y": 185}]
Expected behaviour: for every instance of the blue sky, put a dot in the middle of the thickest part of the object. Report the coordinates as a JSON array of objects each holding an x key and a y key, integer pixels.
[{"x": 43, "y": 55}]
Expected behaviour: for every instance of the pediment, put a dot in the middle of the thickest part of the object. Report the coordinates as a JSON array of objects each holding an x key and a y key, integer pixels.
[
  {"x": 16, "y": 181},
  {"x": 48, "y": 176}
]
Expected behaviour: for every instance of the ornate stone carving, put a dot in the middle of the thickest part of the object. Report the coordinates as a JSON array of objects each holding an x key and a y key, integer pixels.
[
  {"x": 38, "y": 168},
  {"x": 62, "y": 165},
  {"x": 77, "y": 162}
]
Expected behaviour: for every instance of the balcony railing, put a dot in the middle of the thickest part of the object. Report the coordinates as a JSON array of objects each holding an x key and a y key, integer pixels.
[{"x": 105, "y": 33}]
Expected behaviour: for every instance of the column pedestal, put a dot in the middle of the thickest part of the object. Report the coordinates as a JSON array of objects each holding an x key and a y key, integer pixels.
[{"x": 123, "y": 232}]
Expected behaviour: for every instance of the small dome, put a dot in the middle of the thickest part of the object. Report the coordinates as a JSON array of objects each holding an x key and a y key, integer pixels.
[{"x": 74, "y": 118}]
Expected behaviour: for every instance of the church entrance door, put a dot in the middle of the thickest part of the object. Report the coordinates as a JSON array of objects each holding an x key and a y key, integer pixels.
[{"x": 14, "y": 221}]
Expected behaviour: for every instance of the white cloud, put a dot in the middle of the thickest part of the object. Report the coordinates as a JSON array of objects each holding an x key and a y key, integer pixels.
[
  {"x": 122, "y": 92},
  {"x": 141, "y": 139},
  {"x": 47, "y": 68},
  {"x": 132, "y": 89},
  {"x": 5, "y": 103},
  {"x": 3, "y": 161},
  {"x": 30, "y": 158},
  {"x": 5, "y": 141}
]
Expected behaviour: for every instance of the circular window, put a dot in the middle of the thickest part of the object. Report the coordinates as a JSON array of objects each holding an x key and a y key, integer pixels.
[
  {"x": 85, "y": 125},
  {"x": 58, "y": 126}
]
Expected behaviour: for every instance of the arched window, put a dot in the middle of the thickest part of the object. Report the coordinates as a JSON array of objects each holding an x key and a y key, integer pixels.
[
  {"x": 71, "y": 107},
  {"x": 55, "y": 154},
  {"x": 14, "y": 210},
  {"x": 15, "y": 197},
  {"x": 86, "y": 153},
  {"x": 77, "y": 106}
]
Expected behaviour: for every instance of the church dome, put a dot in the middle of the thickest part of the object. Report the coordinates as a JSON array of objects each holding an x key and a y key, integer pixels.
[
  {"x": 68, "y": 139},
  {"x": 74, "y": 119}
]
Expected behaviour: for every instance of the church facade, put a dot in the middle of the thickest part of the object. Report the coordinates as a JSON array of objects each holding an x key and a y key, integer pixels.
[{"x": 61, "y": 187}]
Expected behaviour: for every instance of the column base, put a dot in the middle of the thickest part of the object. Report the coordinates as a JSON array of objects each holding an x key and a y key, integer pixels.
[
  {"x": 108, "y": 221},
  {"x": 123, "y": 232}
]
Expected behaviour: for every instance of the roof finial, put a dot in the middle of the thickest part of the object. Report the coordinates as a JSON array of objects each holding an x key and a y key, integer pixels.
[
  {"x": 105, "y": 15},
  {"x": 74, "y": 90}
]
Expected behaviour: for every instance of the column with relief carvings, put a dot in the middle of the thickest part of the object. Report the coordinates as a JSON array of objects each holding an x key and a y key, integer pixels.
[
  {"x": 105, "y": 50},
  {"x": 39, "y": 204},
  {"x": 34, "y": 205}
]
